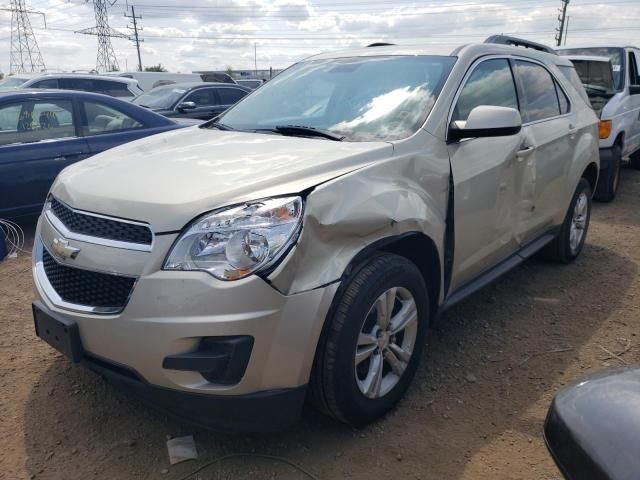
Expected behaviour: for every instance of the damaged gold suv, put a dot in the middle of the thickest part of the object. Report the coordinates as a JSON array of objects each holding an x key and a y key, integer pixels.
[{"x": 298, "y": 245}]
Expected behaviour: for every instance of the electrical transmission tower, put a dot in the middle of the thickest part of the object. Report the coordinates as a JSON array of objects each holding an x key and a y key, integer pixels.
[
  {"x": 562, "y": 18},
  {"x": 106, "y": 61},
  {"x": 25, "y": 54}
]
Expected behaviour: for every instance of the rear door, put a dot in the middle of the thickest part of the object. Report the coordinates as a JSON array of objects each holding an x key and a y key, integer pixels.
[
  {"x": 38, "y": 138},
  {"x": 549, "y": 139},
  {"x": 106, "y": 126}
]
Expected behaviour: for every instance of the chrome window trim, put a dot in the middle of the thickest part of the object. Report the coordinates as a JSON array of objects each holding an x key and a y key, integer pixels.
[
  {"x": 55, "y": 299},
  {"x": 507, "y": 57},
  {"x": 61, "y": 227}
]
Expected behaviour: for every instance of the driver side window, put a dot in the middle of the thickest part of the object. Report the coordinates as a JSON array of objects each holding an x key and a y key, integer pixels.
[{"x": 492, "y": 84}]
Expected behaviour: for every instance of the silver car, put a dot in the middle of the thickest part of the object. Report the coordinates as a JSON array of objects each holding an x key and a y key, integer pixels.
[{"x": 299, "y": 245}]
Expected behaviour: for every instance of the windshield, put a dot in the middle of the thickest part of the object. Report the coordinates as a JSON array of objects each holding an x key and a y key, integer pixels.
[
  {"x": 595, "y": 75},
  {"x": 12, "y": 82},
  {"x": 360, "y": 98},
  {"x": 616, "y": 55},
  {"x": 160, "y": 98}
]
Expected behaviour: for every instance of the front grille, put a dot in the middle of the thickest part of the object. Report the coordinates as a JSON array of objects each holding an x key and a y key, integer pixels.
[
  {"x": 82, "y": 287},
  {"x": 93, "y": 226}
]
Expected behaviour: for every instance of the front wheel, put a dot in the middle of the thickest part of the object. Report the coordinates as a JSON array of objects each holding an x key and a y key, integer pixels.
[
  {"x": 373, "y": 340},
  {"x": 566, "y": 247}
]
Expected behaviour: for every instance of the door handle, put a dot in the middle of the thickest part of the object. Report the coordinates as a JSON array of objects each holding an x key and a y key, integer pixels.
[
  {"x": 572, "y": 130},
  {"x": 524, "y": 152}
]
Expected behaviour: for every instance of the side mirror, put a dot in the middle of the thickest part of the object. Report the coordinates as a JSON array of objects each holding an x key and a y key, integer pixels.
[
  {"x": 593, "y": 426},
  {"x": 634, "y": 89},
  {"x": 486, "y": 121},
  {"x": 186, "y": 106}
]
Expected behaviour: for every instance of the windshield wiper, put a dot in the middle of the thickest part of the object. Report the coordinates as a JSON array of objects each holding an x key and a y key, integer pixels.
[
  {"x": 303, "y": 131},
  {"x": 218, "y": 125}
]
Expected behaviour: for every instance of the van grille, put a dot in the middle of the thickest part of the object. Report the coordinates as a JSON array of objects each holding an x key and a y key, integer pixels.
[
  {"x": 93, "y": 226},
  {"x": 83, "y": 287}
]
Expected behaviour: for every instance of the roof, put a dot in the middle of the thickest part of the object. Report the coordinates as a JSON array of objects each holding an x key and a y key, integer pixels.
[
  {"x": 602, "y": 45},
  {"x": 475, "y": 49},
  {"x": 77, "y": 75},
  {"x": 30, "y": 92}
]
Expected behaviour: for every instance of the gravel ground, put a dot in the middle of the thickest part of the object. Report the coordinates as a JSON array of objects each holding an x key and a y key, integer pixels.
[{"x": 475, "y": 410}]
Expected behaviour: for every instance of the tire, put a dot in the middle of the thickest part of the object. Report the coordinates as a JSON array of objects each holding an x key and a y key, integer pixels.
[
  {"x": 344, "y": 389},
  {"x": 562, "y": 249},
  {"x": 610, "y": 180},
  {"x": 634, "y": 160}
]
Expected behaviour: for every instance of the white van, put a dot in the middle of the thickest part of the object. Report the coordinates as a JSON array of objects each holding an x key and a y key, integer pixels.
[
  {"x": 619, "y": 106},
  {"x": 149, "y": 80}
]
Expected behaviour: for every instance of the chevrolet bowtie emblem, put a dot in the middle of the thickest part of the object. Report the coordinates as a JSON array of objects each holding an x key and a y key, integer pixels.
[{"x": 62, "y": 248}]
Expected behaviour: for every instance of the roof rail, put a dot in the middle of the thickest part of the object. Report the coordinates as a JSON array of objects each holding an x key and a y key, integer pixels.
[
  {"x": 519, "y": 42},
  {"x": 380, "y": 44}
]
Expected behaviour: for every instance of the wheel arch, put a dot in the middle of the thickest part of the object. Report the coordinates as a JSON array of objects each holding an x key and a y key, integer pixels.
[{"x": 590, "y": 174}]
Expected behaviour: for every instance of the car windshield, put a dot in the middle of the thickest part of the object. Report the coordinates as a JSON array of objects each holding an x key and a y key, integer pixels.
[
  {"x": 160, "y": 98},
  {"x": 616, "y": 55},
  {"x": 12, "y": 82},
  {"x": 596, "y": 76},
  {"x": 360, "y": 98}
]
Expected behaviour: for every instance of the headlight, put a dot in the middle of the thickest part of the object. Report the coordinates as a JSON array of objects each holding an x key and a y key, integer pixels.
[{"x": 233, "y": 243}]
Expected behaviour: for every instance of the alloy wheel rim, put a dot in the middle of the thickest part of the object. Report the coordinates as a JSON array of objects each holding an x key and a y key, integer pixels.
[
  {"x": 386, "y": 342},
  {"x": 578, "y": 222}
]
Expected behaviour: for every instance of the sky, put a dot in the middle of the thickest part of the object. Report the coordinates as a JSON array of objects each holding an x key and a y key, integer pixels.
[{"x": 188, "y": 35}]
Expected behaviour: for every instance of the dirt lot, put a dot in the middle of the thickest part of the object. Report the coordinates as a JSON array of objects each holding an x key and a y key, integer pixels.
[{"x": 475, "y": 410}]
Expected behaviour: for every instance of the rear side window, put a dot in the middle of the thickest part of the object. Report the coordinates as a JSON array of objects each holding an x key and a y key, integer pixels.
[
  {"x": 113, "y": 89},
  {"x": 81, "y": 84},
  {"x": 229, "y": 96},
  {"x": 48, "y": 83},
  {"x": 103, "y": 118},
  {"x": 35, "y": 121},
  {"x": 634, "y": 76},
  {"x": 491, "y": 83},
  {"x": 573, "y": 77},
  {"x": 540, "y": 97}
]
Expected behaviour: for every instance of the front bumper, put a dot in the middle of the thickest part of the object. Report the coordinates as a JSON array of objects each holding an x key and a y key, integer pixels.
[{"x": 169, "y": 313}]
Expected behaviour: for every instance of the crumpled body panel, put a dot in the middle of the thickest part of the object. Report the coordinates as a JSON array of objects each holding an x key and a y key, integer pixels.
[{"x": 406, "y": 193}]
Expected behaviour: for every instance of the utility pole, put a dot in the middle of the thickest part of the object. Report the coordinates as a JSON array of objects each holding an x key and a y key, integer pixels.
[
  {"x": 106, "y": 59},
  {"x": 25, "y": 54},
  {"x": 137, "y": 40},
  {"x": 255, "y": 59},
  {"x": 562, "y": 19},
  {"x": 566, "y": 31}
]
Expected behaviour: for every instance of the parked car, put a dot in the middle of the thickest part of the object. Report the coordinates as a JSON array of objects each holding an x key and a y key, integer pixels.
[
  {"x": 192, "y": 100},
  {"x": 123, "y": 88},
  {"x": 44, "y": 131},
  {"x": 150, "y": 80},
  {"x": 216, "y": 77},
  {"x": 299, "y": 245},
  {"x": 251, "y": 83},
  {"x": 593, "y": 426},
  {"x": 620, "y": 114}
]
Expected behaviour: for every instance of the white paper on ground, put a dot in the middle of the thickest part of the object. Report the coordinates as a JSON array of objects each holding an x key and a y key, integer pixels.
[{"x": 181, "y": 449}]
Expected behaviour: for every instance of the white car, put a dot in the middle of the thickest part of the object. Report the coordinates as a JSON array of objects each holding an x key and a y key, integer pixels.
[
  {"x": 618, "y": 105},
  {"x": 150, "y": 80},
  {"x": 299, "y": 245},
  {"x": 122, "y": 88}
]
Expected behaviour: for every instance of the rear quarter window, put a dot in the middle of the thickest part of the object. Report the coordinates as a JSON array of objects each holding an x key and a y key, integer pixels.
[{"x": 571, "y": 75}]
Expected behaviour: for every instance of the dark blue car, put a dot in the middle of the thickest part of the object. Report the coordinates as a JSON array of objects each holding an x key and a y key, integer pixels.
[{"x": 43, "y": 131}]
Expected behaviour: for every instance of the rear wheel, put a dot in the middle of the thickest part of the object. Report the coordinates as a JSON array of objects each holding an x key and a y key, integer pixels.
[
  {"x": 610, "y": 178},
  {"x": 566, "y": 247},
  {"x": 373, "y": 341}
]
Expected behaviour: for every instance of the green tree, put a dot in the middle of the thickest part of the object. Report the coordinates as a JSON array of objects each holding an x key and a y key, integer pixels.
[
  {"x": 1, "y": 75},
  {"x": 155, "y": 68},
  {"x": 229, "y": 70}
]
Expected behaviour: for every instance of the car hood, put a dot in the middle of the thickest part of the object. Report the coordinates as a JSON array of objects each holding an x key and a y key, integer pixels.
[{"x": 169, "y": 179}]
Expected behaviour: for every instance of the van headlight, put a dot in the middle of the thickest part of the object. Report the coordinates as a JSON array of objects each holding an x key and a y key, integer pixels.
[{"x": 233, "y": 243}]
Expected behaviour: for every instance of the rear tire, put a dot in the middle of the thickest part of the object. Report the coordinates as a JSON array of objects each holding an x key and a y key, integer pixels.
[
  {"x": 566, "y": 247},
  {"x": 610, "y": 179},
  {"x": 364, "y": 361}
]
